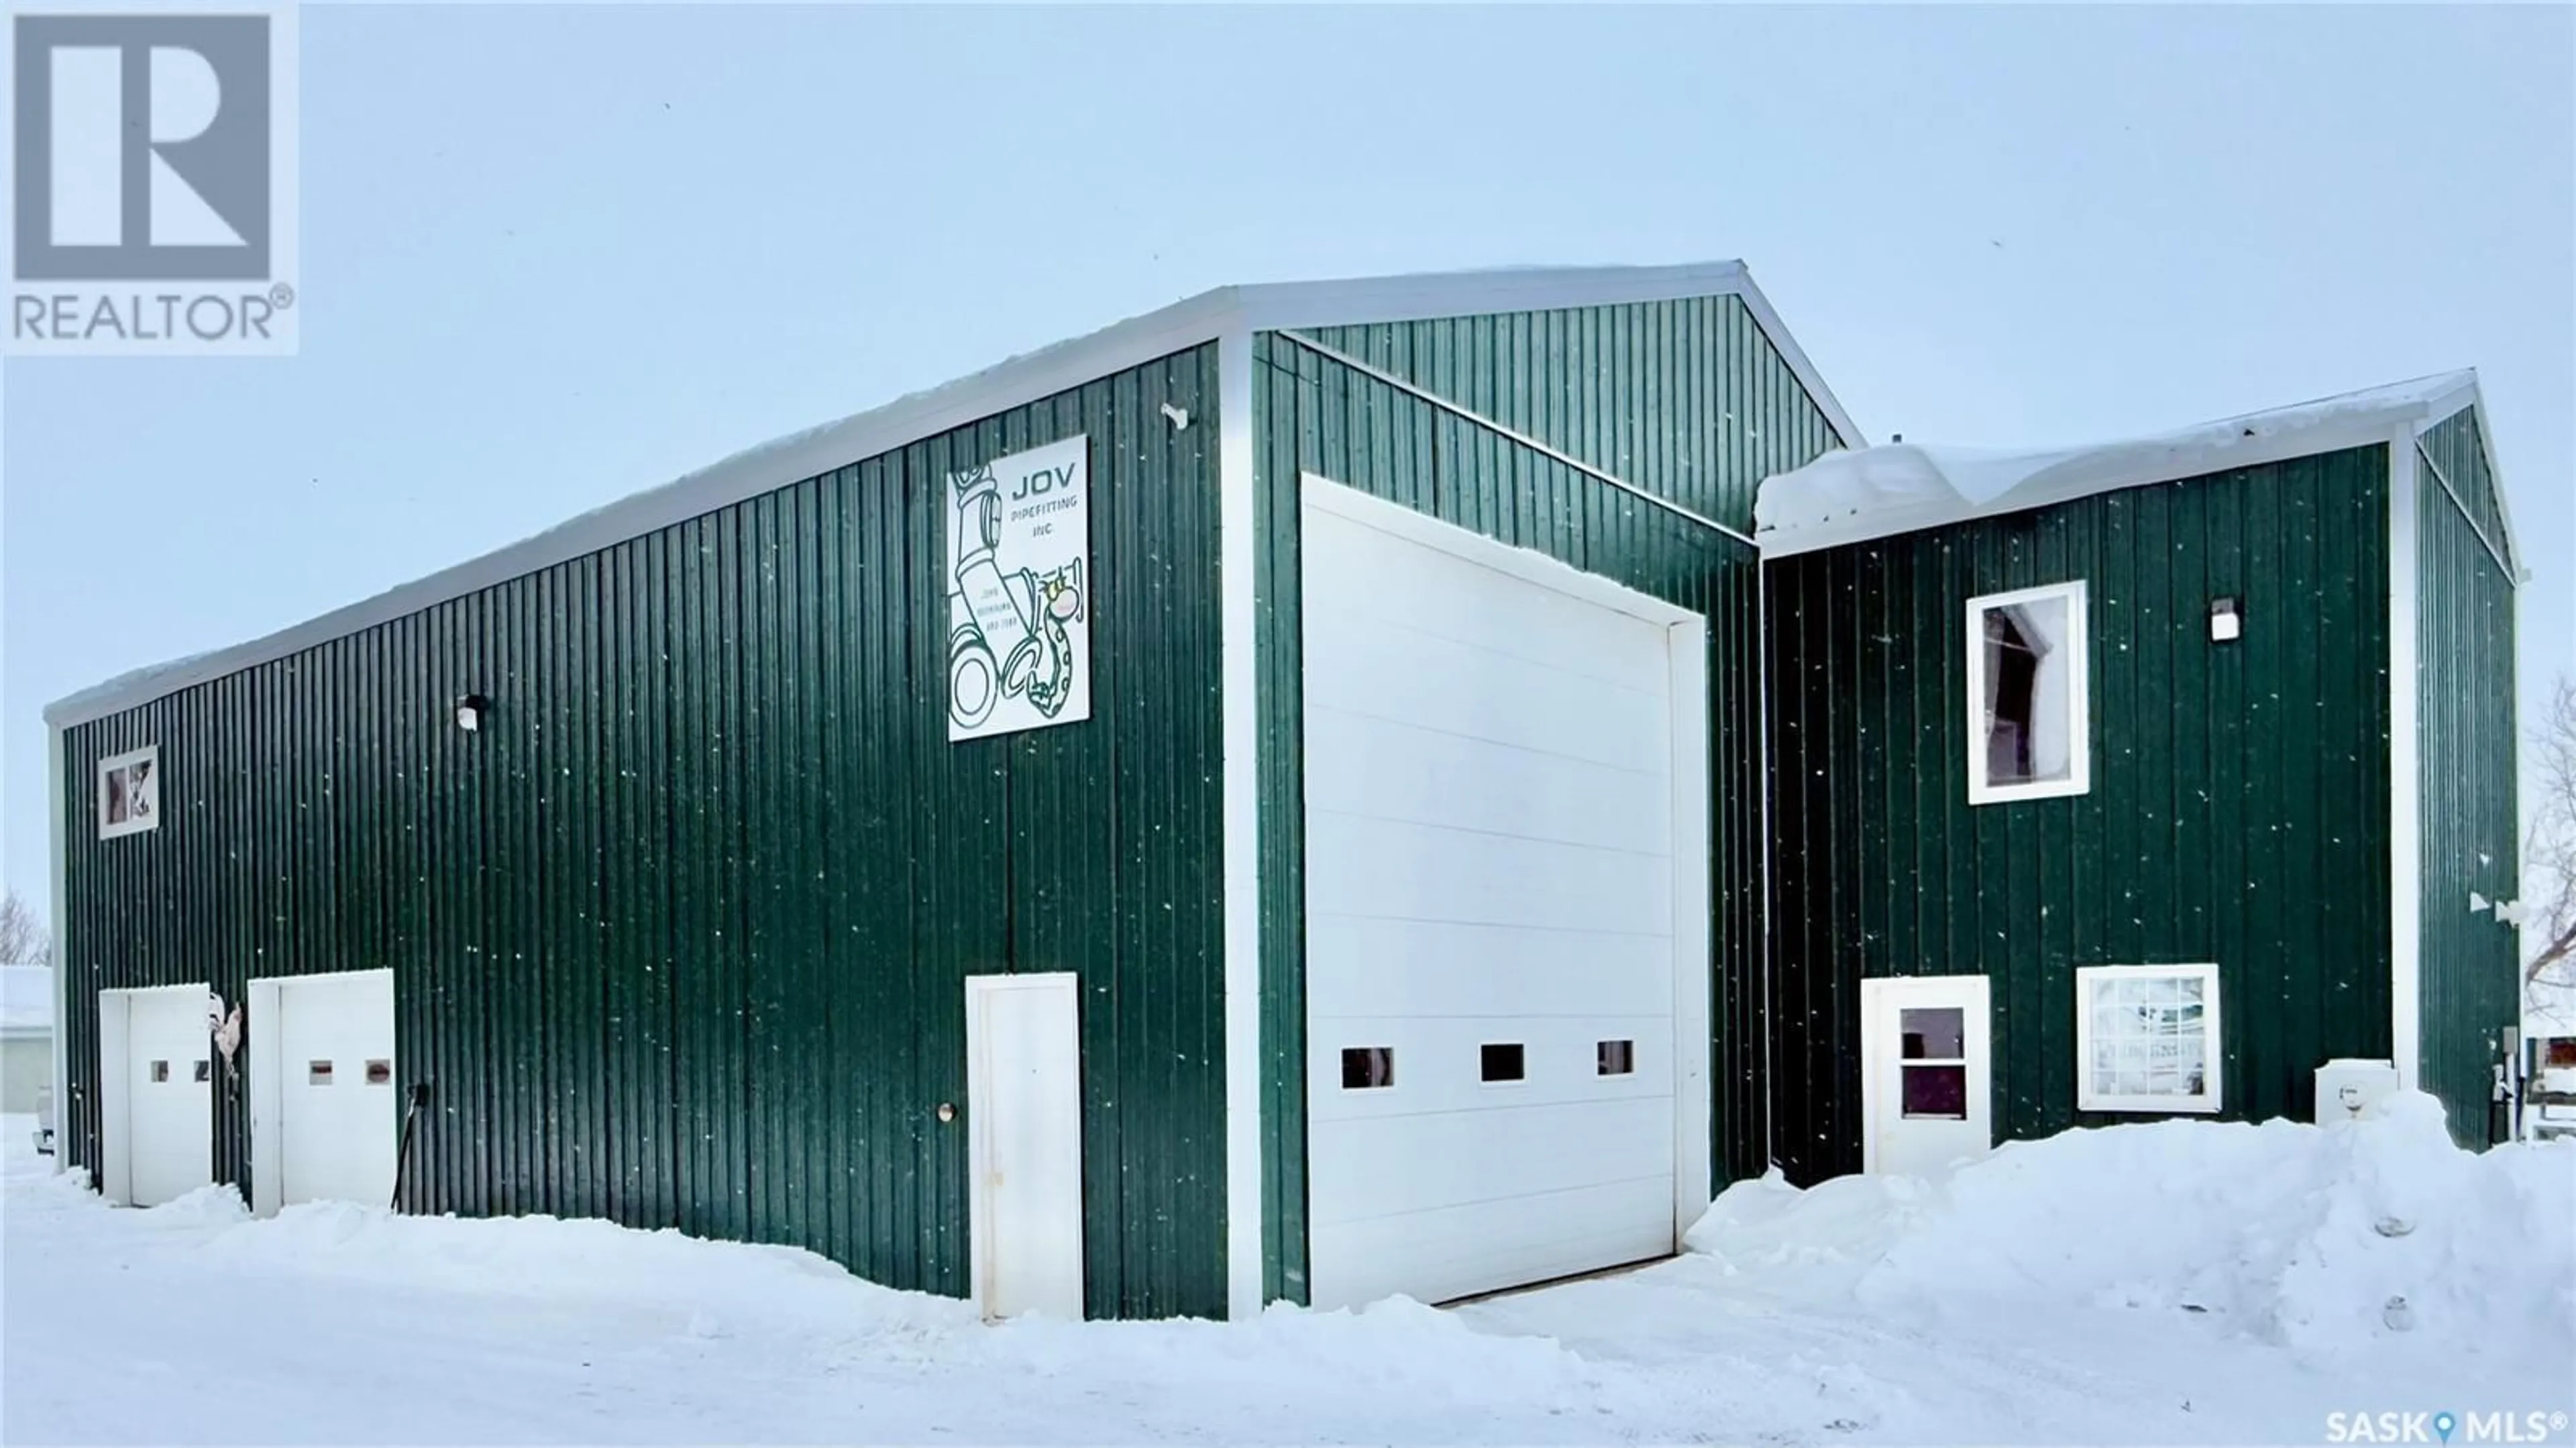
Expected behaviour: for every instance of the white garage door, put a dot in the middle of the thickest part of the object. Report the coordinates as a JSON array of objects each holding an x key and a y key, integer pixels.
[
  {"x": 330, "y": 1114},
  {"x": 1492, "y": 907},
  {"x": 158, "y": 1097}
]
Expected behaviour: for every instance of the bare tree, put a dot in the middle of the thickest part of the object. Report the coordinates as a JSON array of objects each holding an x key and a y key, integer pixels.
[
  {"x": 23, "y": 937},
  {"x": 2549, "y": 856}
]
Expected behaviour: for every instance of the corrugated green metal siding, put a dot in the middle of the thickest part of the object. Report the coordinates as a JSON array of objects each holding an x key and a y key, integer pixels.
[
  {"x": 2238, "y": 811},
  {"x": 2464, "y": 688},
  {"x": 679, "y": 936},
  {"x": 1685, "y": 399},
  {"x": 2457, "y": 450}
]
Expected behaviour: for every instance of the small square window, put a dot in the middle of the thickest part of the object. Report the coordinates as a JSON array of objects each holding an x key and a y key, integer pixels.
[
  {"x": 160, "y": 1071},
  {"x": 129, "y": 792},
  {"x": 380, "y": 1072},
  {"x": 1617, "y": 1058},
  {"x": 1503, "y": 1061},
  {"x": 1367, "y": 1068},
  {"x": 317, "y": 1073},
  {"x": 205, "y": 1071},
  {"x": 2029, "y": 695},
  {"x": 2146, "y": 1038}
]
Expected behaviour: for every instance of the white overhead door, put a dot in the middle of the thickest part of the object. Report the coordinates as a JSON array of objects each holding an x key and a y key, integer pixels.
[
  {"x": 327, "y": 1112},
  {"x": 1494, "y": 912},
  {"x": 157, "y": 1093}
]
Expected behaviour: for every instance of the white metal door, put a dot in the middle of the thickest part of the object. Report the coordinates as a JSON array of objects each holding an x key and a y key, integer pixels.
[
  {"x": 1927, "y": 1098},
  {"x": 162, "y": 1134},
  {"x": 337, "y": 1093},
  {"x": 1492, "y": 809},
  {"x": 1024, "y": 1115}
]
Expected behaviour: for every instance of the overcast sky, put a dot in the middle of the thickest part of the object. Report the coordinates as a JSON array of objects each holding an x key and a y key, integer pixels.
[{"x": 553, "y": 256}]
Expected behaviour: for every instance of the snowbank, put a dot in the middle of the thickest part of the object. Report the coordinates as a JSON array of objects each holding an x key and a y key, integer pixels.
[{"x": 2359, "y": 1236}]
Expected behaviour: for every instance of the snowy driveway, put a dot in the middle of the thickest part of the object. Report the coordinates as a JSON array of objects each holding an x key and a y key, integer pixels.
[{"x": 1864, "y": 1312}]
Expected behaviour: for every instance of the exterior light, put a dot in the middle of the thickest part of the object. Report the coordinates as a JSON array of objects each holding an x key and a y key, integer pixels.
[
  {"x": 469, "y": 712},
  {"x": 2226, "y": 619}
]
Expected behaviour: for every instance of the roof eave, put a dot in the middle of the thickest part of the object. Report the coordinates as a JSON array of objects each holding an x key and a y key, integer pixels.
[{"x": 1206, "y": 317}]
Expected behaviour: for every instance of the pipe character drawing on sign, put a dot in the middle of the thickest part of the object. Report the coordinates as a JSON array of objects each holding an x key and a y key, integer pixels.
[{"x": 1016, "y": 590}]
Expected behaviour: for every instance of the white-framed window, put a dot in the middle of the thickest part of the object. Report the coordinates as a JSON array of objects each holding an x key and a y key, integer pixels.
[
  {"x": 129, "y": 792},
  {"x": 2030, "y": 687},
  {"x": 2146, "y": 1038}
]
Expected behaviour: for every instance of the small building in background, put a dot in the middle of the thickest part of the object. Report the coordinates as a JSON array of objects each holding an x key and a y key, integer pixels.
[{"x": 26, "y": 1038}]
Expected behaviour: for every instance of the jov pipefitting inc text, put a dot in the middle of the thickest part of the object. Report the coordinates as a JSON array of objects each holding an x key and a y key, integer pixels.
[{"x": 154, "y": 207}]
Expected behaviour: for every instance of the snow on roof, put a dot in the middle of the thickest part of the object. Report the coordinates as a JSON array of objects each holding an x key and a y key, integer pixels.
[
  {"x": 1877, "y": 492},
  {"x": 26, "y": 998}
]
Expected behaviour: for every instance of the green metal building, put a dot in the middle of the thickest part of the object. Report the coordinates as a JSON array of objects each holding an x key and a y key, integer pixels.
[
  {"x": 1317, "y": 791},
  {"x": 672, "y": 866},
  {"x": 2146, "y": 778}
]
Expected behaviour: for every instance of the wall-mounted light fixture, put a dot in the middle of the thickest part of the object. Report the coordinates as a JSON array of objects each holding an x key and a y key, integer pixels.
[
  {"x": 2226, "y": 619},
  {"x": 469, "y": 712}
]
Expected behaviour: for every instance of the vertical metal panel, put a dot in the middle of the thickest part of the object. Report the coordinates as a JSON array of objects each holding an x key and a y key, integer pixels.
[
  {"x": 679, "y": 933},
  {"x": 2238, "y": 811},
  {"x": 2456, "y": 447},
  {"x": 2466, "y": 764},
  {"x": 1685, "y": 399}
]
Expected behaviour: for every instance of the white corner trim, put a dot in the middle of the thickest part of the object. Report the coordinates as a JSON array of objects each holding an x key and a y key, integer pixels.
[
  {"x": 1239, "y": 682},
  {"x": 1767, "y": 937},
  {"x": 1694, "y": 970},
  {"x": 58, "y": 836},
  {"x": 2214, "y": 1057},
  {"x": 2405, "y": 787},
  {"x": 1528, "y": 565},
  {"x": 2079, "y": 695}
]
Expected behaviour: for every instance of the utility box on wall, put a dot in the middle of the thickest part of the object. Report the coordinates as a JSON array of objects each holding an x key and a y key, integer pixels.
[{"x": 2350, "y": 1090}]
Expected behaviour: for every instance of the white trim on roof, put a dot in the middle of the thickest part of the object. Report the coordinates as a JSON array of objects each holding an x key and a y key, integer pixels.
[
  {"x": 1207, "y": 317},
  {"x": 1857, "y": 495},
  {"x": 2441, "y": 410}
]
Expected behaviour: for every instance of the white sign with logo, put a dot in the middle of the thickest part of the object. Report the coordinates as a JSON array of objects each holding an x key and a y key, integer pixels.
[{"x": 1019, "y": 591}]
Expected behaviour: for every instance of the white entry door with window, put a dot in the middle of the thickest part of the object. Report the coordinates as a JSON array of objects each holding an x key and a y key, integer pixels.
[
  {"x": 1506, "y": 911},
  {"x": 1024, "y": 1119},
  {"x": 157, "y": 1095},
  {"x": 326, "y": 1101},
  {"x": 1927, "y": 1099}
]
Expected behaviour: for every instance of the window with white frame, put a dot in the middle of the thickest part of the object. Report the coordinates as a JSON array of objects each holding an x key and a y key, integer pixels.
[
  {"x": 2146, "y": 1038},
  {"x": 2029, "y": 695},
  {"x": 129, "y": 792}
]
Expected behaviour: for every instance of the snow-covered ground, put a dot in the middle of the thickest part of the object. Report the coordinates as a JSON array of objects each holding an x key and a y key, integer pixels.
[{"x": 2166, "y": 1283}]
